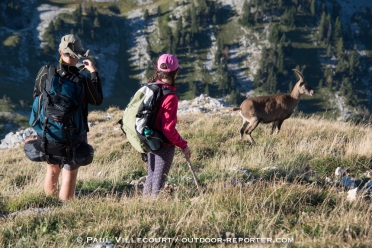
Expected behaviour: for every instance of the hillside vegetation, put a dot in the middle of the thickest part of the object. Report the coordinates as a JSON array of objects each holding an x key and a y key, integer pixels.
[
  {"x": 227, "y": 48},
  {"x": 290, "y": 198}
]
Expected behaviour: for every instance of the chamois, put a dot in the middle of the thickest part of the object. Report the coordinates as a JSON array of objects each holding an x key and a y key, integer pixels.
[{"x": 274, "y": 108}]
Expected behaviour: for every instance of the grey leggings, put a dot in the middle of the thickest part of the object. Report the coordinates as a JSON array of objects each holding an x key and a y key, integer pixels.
[{"x": 159, "y": 163}]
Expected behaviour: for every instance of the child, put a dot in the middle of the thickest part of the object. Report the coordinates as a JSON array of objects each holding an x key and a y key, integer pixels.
[{"x": 160, "y": 161}]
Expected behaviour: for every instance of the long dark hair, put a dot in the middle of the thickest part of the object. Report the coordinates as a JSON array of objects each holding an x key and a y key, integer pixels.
[{"x": 159, "y": 75}]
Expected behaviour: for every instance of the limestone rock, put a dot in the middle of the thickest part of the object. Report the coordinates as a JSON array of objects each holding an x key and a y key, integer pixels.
[
  {"x": 352, "y": 194},
  {"x": 340, "y": 171}
]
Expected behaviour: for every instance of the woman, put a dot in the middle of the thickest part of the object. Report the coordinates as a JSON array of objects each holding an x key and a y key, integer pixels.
[
  {"x": 71, "y": 51},
  {"x": 160, "y": 161}
]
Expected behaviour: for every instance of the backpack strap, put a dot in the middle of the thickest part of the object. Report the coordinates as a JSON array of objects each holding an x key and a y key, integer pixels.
[
  {"x": 77, "y": 78},
  {"x": 154, "y": 107},
  {"x": 38, "y": 109}
]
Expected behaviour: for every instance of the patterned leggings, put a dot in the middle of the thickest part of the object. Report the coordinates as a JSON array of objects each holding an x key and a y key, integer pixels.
[{"x": 159, "y": 163}]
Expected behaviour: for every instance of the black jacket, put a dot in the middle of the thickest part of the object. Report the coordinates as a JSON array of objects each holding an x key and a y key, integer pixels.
[{"x": 91, "y": 87}]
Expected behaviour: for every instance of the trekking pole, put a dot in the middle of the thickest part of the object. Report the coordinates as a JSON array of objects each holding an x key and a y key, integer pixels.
[{"x": 193, "y": 174}]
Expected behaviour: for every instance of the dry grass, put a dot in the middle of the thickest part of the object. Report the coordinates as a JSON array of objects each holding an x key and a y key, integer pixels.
[{"x": 291, "y": 202}]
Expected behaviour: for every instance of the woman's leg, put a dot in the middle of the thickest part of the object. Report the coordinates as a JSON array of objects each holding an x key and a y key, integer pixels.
[
  {"x": 163, "y": 161},
  {"x": 51, "y": 179},
  {"x": 68, "y": 186}
]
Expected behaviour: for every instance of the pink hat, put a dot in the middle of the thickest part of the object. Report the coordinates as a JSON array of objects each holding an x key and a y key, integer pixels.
[{"x": 170, "y": 60}]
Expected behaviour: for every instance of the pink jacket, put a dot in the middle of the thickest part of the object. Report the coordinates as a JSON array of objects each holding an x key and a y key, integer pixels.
[{"x": 166, "y": 118}]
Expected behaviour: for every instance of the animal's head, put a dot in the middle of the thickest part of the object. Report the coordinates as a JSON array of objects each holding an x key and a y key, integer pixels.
[{"x": 302, "y": 85}]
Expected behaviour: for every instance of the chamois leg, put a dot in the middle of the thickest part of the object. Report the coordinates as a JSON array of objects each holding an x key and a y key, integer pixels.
[
  {"x": 251, "y": 127},
  {"x": 280, "y": 122},
  {"x": 274, "y": 125},
  {"x": 245, "y": 123}
]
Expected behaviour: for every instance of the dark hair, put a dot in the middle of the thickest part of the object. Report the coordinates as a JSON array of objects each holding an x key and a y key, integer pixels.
[{"x": 159, "y": 75}]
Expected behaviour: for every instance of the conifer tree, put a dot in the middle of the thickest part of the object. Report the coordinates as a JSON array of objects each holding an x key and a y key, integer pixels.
[
  {"x": 274, "y": 34},
  {"x": 337, "y": 34},
  {"x": 206, "y": 90},
  {"x": 146, "y": 14},
  {"x": 58, "y": 24},
  {"x": 214, "y": 19},
  {"x": 271, "y": 81},
  {"x": 313, "y": 7},
  {"x": 329, "y": 33},
  {"x": 323, "y": 26},
  {"x": 353, "y": 62},
  {"x": 194, "y": 21},
  {"x": 246, "y": 16},
  {"x": 96, "y": 22},
  {"x": 340, "y": 47},
  {"x": 329, "y": 51}
]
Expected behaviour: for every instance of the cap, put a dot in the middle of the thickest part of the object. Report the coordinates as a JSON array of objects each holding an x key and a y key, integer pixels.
[
  {"x": 71, "y": 44},
  {"x": 170, "y": 60}
]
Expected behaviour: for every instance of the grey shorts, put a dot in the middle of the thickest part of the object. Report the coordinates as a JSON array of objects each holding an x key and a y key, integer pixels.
[{"x": 71, "y": 167}]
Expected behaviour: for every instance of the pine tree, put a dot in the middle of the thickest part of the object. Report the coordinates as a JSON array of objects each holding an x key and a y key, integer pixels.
[
  {"x": 76, "y": 14},
  {"x": 206, "y": 90},
  {"x": 146, "y": 14},
  {"x": 329, "y": 33},
  {"x": 320, "y": 85},
  {"x": 194, "y": 21},
  {"x": 96, "y": 22},
  {"x": 217, "y": 57},
  {"x": 257, "y": 78},
  {"x": 337, "y": 34},
  {"x": 353, "y": 62},
  {"x": 313, "y": 7},
  {"x": 214, "y": 19},
  {"x": 323, "y": 26},
  {"x": 233, "y": 98},
  {"x": 340, "y": 48},
  {"x": 329, "y": 51},
  {"x": 187, "y": 39},
  {"x": 271, "y": 81},
  {"x": 246, "y": 16},
  {"x": 58, "y": 24},
  {"x": 274, "y": 34},
  {"x": 288, "y": 17},
  {"x": 180, "y": 24}
]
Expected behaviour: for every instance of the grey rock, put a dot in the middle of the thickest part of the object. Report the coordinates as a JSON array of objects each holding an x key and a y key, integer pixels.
[
  {"x": 348, "y": 183},
  {"x": 12, "y": 140}
]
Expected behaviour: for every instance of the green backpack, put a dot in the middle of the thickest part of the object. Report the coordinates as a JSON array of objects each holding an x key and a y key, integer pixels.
[{"x": 138, "y": 122}]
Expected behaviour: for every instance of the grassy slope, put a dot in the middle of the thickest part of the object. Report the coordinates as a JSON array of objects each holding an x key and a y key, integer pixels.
[{"x": 292, "y": 203}]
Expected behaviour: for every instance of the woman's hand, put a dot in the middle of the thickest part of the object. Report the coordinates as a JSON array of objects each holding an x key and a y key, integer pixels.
[{"x": 88, "y": 65}]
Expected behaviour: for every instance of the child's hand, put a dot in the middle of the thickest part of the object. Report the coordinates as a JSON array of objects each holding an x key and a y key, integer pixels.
[{"x": 187, "y": 152}]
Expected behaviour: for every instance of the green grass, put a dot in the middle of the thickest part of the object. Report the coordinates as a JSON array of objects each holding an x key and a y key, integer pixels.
[
  {"x": 291, "y": 201},
  {"x": 12, "y": 41}
]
